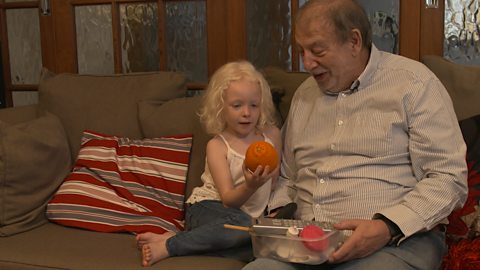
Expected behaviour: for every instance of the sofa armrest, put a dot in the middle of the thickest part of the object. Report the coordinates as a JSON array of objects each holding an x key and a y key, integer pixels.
[{"x": 19, "y": 114}]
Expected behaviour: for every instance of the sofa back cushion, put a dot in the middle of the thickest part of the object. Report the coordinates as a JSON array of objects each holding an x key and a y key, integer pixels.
[
  {"x": 104, "y": 103},
  {"x": 178, "y": 116},
  {"x": 461, "y": 82},
  {"x": 283, "y": 85},
  {"x": 34, "y": 159}
]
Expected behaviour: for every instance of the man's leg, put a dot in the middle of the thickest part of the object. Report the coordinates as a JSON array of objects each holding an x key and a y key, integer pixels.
[{"x": 423, "y": 251}]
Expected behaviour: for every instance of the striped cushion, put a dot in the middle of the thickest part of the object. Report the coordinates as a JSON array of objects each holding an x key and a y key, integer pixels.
[{"x": 125, "y": 185}]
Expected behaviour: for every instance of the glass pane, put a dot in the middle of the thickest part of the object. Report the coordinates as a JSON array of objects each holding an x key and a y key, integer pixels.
[
  {"x": 139, "y": 37},
  {"x": 23, "y": 98},
  {"x": 24, "y": 39},
  {"x": 94, "y": 39},
  {"x": 461, "y": 42},
  {"x": 383, "y": 17},
  {"x": 186, "y": 38},
  {"x": 269, "y": 27}
]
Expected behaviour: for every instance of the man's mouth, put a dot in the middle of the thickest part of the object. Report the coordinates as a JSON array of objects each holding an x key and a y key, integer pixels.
[{"x": 319, "y": 75}]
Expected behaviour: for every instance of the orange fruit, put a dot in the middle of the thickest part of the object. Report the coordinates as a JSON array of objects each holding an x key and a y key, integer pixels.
[{"x": 261, "y": 153}]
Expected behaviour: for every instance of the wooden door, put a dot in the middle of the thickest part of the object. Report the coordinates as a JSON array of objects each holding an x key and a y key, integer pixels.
[{"x": 59, "y": 31}]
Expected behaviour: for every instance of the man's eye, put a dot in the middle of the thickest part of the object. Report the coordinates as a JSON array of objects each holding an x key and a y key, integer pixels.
[{"x": 317, "y": 52}]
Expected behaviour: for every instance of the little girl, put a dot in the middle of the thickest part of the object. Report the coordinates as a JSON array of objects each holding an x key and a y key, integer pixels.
[{"x": 238, "y": 110}]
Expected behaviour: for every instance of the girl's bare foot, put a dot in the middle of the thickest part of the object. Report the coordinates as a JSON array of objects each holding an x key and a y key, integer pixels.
[
  {"x": 153, "y": 252},
  {"x": 149, "y": 237}
]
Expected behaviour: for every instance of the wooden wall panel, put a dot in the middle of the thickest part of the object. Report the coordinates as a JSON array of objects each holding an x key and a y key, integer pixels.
[{"x": 409, "y": 44}]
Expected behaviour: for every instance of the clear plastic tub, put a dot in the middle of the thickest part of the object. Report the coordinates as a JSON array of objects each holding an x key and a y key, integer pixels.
[{"x": 295, "y": 249}]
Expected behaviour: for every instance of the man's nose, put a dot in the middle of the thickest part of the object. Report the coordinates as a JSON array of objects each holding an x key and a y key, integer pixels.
[{"x": 309, "y": 61}]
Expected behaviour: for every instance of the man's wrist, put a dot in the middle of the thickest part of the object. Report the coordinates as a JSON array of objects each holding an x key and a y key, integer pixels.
[{"x": 395, "y": 232}]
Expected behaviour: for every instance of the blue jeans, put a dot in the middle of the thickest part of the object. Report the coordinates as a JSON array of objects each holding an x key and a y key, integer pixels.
[
  {"x": 204, "y": 232},
  {"x": 423, "y": 251}
]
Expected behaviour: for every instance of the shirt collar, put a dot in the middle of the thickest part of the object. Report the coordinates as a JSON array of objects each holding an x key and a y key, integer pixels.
[{"x": 366, "y": 75}]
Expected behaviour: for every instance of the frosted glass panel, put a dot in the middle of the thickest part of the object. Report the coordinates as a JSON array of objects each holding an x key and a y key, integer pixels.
[
  {"x": 187, "y": 38},
  {"x": 139, "y": 37},
  {"x": 94, "y": 39},
  {"x": 461, "y": 43},
  {"x": 383, "y": 16},
  {"x": 269, "y": 33},
  {"x": 24, "y": 39},
  {"x": 23, "y": 98}
]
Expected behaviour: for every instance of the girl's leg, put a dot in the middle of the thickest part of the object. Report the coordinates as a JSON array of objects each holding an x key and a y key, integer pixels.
[{"x": 205, "y": 232}]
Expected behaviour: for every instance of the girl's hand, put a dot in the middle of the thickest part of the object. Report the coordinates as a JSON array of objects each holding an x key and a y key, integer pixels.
[{"x": 260, "y": 176}]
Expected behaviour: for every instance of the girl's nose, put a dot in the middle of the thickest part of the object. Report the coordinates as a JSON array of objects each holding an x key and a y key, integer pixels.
[{"x": 246, "y": 111}]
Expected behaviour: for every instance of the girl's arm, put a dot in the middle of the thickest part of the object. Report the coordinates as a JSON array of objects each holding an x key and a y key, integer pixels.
[{"x": 232, "y": 196}]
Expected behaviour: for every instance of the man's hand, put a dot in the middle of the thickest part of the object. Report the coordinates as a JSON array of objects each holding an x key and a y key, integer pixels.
[{"x": 368, "y": 236}]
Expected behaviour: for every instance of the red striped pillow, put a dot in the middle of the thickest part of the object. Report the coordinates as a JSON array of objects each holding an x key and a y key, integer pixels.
[{"x": 125, "y": 185}]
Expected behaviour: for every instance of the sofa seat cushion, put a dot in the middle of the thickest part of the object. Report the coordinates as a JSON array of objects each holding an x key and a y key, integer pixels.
[
  {"x": 178, "y": 116},
  {"x": 53, "y": 246},
  {"x": 34, "y": 159},
  {"x": 125, "y": 185},
  {"x": 106, "y": 104}
]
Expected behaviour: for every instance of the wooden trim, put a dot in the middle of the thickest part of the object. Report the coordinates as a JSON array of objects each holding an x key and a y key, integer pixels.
[
  {"x": 5, "y": 59},
  {"x": 432, "y": 30},
  {"x": 66, "y": 46},
  {"x": 216, "y": 34},
  {"x": 237, "y": 30},
  {"x": 47, "y": 41},
  {"x": 409, "y": 44},
  {"x": 162, "y": 32},
  {"x": 116, "y": 38},
  {"x": 295, "y": 56}
]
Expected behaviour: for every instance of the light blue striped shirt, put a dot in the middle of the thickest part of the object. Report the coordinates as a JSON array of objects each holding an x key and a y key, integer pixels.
[{"x": 392, "y": 147}]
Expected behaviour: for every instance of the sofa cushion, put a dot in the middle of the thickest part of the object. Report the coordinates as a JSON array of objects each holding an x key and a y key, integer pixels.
[
  {"x": 125, "y": 185},
  {"x": 461, "y": 82},
  {"x": 106, "y": 104},
  {"x": 56, "y": 247},
  {"x": 166, "y": 118},
  {"x": 34, "y": 159},
  {"x": 283, "y": 85}
]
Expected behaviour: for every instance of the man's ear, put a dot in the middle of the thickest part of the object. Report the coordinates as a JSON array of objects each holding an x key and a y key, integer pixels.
[{"x": 356, "y": 41}]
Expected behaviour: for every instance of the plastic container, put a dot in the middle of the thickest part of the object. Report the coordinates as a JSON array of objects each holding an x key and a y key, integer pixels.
[{"x": 295, "y": 249}]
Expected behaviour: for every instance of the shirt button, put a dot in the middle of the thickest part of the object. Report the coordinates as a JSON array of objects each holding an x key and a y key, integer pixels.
[
  {"x": 317, "y": 206},
  {"x": 343, "y": 94},
  {"x": 340, "y": 122},
  {"x": 322, "y": 181},
  {"x": 332, "y": 146}
]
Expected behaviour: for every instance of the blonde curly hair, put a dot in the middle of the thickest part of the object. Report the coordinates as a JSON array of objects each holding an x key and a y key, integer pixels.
[{"x": 213, "y": 102}]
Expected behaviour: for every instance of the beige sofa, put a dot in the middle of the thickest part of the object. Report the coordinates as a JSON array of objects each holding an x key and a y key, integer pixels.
[{"x": 39, "y": 143}]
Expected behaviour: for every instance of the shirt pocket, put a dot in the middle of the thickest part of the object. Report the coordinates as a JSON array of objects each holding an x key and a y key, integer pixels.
[{"x": 371, "y": 135}]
